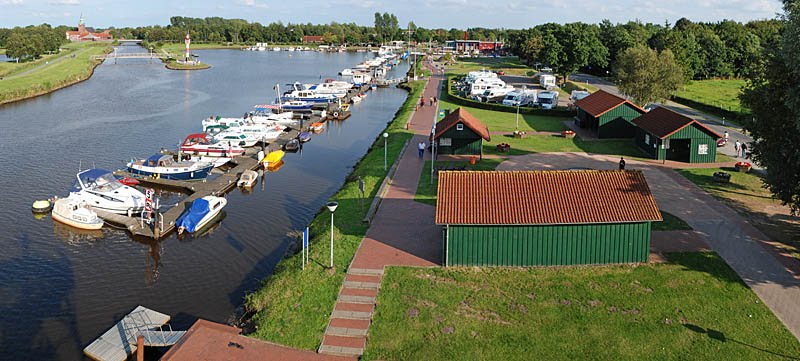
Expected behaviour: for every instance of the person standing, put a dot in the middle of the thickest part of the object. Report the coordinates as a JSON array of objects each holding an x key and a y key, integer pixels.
[
  {"x": 736, "y": 147},
  {"x": 421, "y": 147},
  {"x": 726, "y": 135},
  {"x": 621, "y": 163},
  {"x": 744, "y": 150}
]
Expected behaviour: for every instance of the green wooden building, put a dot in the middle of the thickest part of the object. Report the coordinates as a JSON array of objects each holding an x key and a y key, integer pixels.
[
  {"x": 666, "y": 135},
  {"x": 607, "y": 114},
  {"x": 460, "y": 133},
  {"x": 544, "y": 218}
]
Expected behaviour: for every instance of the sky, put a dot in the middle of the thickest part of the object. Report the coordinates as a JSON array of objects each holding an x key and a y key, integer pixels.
[{"x": 509, "y": 14}]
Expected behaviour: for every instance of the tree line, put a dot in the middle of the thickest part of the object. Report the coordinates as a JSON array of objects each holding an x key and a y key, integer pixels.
[{"x": 30, "y": 42}]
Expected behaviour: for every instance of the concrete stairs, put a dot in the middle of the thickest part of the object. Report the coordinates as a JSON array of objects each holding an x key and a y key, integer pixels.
[{"x": 346, "y": 334}]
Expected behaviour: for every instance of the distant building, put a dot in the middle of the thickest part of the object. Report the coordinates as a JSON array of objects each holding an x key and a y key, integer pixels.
[
  {"x": 88, "y": 34},
  {"x": 460, "y": 133},
  {"x": 473, "y": 46},
  {"x": 313, "y": 39}
]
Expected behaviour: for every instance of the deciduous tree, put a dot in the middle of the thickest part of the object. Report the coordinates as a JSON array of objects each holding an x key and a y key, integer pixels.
[{"x": 646, "y": 75}]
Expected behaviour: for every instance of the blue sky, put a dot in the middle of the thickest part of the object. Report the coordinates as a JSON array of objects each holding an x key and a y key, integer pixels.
[{"x": 439, "y": 13}]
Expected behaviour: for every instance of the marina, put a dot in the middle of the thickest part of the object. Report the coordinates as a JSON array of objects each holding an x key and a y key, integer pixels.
[{"x": 155, "y": 109}]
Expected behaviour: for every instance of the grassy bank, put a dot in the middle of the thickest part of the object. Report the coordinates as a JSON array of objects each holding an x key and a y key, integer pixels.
[
  {"x": 180, "y": 48},
  {"x": 746, "y": 194},
  {"x": 174, "y": 65},
  {"x": 694, "y": 307},
  {"x": 717, "y": 96},
  {"x": 293, "y": 305},
  {"x": 61, "y": 72}
]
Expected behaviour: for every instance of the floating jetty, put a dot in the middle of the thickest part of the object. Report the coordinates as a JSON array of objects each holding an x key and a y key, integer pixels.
[{"x": 119, "y": 341}]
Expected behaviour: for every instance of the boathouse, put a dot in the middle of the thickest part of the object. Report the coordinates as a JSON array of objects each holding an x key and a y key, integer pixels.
[
  {"x": 608, "y": 115},
  {"x": 544, "y": 218},
  {"x": 460, "y": 133},
  {"x": 666, "y": 135}
]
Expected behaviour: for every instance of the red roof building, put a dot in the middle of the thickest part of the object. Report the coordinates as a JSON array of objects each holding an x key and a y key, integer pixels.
[
  {"x": 666, "y": 135},
  {"x": 313, "y": 39},
  {"x": 608, "y": 114},
  {"x": 461, "y": 133},
  {"x": 88, "y": 34}
]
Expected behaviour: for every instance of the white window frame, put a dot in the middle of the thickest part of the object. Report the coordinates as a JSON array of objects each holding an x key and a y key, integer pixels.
[
  {"x": 459, "y": 126},
  {"x": 445, "y": 142},
  {"x": 702, "y": 149}
]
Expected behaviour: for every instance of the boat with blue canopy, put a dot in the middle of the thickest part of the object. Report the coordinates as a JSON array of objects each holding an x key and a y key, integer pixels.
[
  {"x": 200, "y": 214},
  {"x": 166, "y": 167}
]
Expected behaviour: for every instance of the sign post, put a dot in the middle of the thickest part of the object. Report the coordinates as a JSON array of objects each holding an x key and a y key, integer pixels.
[{"x": 304, "y": 256}]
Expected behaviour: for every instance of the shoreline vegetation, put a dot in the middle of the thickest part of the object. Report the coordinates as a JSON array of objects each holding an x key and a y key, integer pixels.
[
  {"x": 293, "y": 305},
  {"x": 72, "y": 66}
]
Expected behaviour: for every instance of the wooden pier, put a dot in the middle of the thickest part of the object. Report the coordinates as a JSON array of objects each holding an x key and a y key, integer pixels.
[{"x": 119, "y": 341}]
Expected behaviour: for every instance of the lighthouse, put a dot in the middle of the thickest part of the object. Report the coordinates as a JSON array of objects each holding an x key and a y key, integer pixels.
[{"x": 187, "y": 41}]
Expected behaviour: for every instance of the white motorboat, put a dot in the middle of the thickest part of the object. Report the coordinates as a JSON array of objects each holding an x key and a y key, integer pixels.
[
  {"x": 346, "y": 72},
  {"x": 247, "y": 179},
  {"x": 262, "y": 132},
  {"x": 201, "y": 144},
  {"x": 264, "y": 114},
  {"x": 101, "y": 190},
  {"x": 335, "y": 87},
  {"x": 216, "y": 161},
  {"x": 221, "y": 121},
  {"x": 75, "y": 212},
  {"x": 201, "y": 213},
  {"x": 165, "y": 166},
  {"x": 236, "y": 137}
]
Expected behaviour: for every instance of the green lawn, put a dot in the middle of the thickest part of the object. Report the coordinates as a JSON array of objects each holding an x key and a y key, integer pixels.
[
  {"x": 180, "y": 48},
  {"x": 510, "y": 65},
  {"x": 426, "y": 191},
  {"x": 542, "y": 143},
  {"x": 74, "y": 67},
  {"x": 694, "y": 308},
  {"x": 671, "y": 223},
  {"x": 507, "y": 122},
  {"x": 720, "y": 93},
  {"x": 293, "y": 305},
  {"x": 746, "y": 194}
]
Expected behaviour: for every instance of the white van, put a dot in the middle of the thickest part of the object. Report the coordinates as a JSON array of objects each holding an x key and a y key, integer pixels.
[
  {"x": 547, "y": 99},
  {"x": 520, "y": 98},
  {"x": 496, "y": 95},
  {"x": 578, "y": 95},
  {"x": 547, "y": 81}
]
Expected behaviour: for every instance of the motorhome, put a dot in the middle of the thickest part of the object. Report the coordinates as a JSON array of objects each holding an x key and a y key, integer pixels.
[
  {"x": 547, "y": 81},
  {"x": 547, "y": 99},
  {"x": 495, "y": 95},
  {"x": 578, "y": 95},
  {"x": 476, "y": 75},
  {"x": 520, "y": 98},
  {"x": 480, "y": 86}
]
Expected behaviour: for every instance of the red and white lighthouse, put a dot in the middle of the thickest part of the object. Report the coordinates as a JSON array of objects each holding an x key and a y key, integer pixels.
[{"x": 187, "y": 41}]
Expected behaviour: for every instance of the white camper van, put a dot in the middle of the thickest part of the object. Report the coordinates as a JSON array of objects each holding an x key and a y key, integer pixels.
[
  {"x": 547, "y": 81},
  {"x": 578, "y": 95},
  {"x": 520, "y": 98},
  {"x": 547, "y": 99}
]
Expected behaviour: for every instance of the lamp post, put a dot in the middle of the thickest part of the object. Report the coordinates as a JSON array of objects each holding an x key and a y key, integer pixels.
[
  {"x": 385, "y": 138},
  {"x": 332, "y": 207}
]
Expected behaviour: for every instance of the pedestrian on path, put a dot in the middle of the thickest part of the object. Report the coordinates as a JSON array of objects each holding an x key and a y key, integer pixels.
[
  {"x": 421, "y": 147},
  {"x": 621, "y": 163},
  {"x": 736, "y": 147},
  {"x": 421, "y": 102},
  {"x": 744, "y": 150},
  {"x": 431, "y": 101},
  {"x": 726, "y": 135},
  {"x": 435, "y": 100}
]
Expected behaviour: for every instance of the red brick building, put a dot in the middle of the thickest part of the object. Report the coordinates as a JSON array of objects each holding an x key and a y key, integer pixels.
[
  {"x": 88, "y": 34},
  {"x": 313, "y": 39}
]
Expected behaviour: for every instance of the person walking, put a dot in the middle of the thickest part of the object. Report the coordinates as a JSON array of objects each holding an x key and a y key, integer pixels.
[
  {"x": 736, "y": 147},
  {"x": 744, "y": 150},
  {"x": 431, "y": 101},
  {"x": 726, "y": 135},
  {"x": 435, "y": 100},
  {"x": 421, "y": 147},
  {"x": 421, "y": 102},
  {"x": 621, "y": 163}
]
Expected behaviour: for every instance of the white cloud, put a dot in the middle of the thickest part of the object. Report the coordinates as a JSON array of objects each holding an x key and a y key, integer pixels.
[
  {"x": 253, "y": 3},
  {"x": 65, "y": 2},
  {"x": 11, "y": 2}
]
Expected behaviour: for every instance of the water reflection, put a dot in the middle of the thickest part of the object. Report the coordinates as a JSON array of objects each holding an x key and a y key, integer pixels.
[{"x": 74, "y": 236}]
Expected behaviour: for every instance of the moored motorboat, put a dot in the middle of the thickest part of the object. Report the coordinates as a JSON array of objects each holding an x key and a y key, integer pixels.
[
  {"x": 292, "y": 145},
  {"x": 76, "y": 213},
  {"x": 304, "y": 136},
  {"x": 272, "y": 158},
  {"x": 237, "y": 138},
  {"x": 318, "y": 126},
  {"x": 201, "y": 144},
  {"x": 200, "y": 214},
  {"x": 247, "y": 179},
  {"x": 101, "y": 190},
  {"x": 294, "y": 104},
  {"x": 164, "y": 166}
]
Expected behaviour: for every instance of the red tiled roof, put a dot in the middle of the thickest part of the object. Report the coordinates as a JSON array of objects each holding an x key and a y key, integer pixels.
[
  {"x": 461, "y": 115},
  {"x": 600, "y": 102},
  {"x": 544, "y": 197},
  {"x": 313, "y": 38},
  {"x": 662, "y": 122}
]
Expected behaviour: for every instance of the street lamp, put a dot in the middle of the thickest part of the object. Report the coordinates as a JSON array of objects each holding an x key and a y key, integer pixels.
[
  {"x": 332, "y": 207},
  {"x": 385, "y": 137}
]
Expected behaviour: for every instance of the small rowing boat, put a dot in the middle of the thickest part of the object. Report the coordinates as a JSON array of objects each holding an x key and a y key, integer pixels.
[{"x": 272, "y": 158}]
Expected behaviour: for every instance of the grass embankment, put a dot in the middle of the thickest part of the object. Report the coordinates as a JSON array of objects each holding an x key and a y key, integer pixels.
[
  {"x": 694, "y": 307},
  {"x": 717, "y": 96},
  {"x": 61, "y": 72},
  {"x": 746, "y": 194},
  {"x": 10, "y": 68},
  {"x": 293, "y": 305},
  {"x": 671, "y": 222},
  {"x": 426, "y": 191},
  {"x": 174, "y": 65}
]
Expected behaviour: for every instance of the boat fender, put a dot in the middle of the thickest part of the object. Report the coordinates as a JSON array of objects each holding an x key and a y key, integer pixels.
[
  {"x": 41, "y": 206},
  {"x": 335, "y": 114}
]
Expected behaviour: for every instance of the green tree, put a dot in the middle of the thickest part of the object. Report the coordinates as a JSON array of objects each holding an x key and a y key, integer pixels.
[
  {"x": 773, "y": 95},
  {"x": 646, "y": 75},
  {"x": 23, "y": 47},
  {"x": 581, "y": 47}
]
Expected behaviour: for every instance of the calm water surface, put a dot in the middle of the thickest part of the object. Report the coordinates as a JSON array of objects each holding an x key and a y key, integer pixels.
[{"x": 61, "y": 288}]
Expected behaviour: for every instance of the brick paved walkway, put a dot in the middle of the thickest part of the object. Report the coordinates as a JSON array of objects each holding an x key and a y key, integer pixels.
[
  {"x": 402, "y": 233},
  {"x": 770, "y": 274}
]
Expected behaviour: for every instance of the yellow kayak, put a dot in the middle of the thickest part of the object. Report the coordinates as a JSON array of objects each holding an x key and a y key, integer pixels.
[{"x": 273, "y": 157}]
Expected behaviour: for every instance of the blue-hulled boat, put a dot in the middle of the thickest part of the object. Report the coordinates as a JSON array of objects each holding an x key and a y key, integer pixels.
[
  {"x": 294, "y": 105},
  {"x": 304, "y": 136},
  {"x": 165, "y": 166}
]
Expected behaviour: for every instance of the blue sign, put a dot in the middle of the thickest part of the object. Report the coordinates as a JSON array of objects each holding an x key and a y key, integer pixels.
[
  {"x": 441, "y": 113},
  {"x": 305, "y": 238}
]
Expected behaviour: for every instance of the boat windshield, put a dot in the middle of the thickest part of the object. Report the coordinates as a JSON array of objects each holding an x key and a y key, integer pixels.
[{"x": 96, "y": 179}]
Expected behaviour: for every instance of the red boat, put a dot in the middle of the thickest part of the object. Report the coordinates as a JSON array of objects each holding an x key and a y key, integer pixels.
[
  {"x": 201, "y": 144},
  {"x": 128, "y": 181}
]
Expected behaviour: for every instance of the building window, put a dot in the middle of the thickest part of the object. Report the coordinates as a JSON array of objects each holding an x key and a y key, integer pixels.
[
  {"x": 702, "y": 149},
  {"x": 459, "y": 126},
  {"x": 647, "y": 139},
  {"x": 445, "y": 142}
]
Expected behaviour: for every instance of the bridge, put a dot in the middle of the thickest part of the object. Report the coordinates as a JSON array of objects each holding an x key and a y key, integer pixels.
[
  {"x": 135, "y": 41},
  {"x": 117, "y": 55}
]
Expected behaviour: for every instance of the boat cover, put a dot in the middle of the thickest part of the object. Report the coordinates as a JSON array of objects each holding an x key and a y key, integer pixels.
[{"x": 190, "y": 218}]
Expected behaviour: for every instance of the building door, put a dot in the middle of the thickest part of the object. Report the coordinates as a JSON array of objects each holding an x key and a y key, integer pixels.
[{"x": 679, "y": 150}]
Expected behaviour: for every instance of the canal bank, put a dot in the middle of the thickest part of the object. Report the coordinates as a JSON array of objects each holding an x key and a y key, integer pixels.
[{"x": 293, "y": 305}]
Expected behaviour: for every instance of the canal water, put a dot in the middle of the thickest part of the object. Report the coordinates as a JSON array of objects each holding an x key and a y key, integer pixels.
[{"x": 61, "y": 288}]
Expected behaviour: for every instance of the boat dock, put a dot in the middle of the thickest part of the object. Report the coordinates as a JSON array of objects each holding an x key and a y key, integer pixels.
[{"x": 119, "y": 341}]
